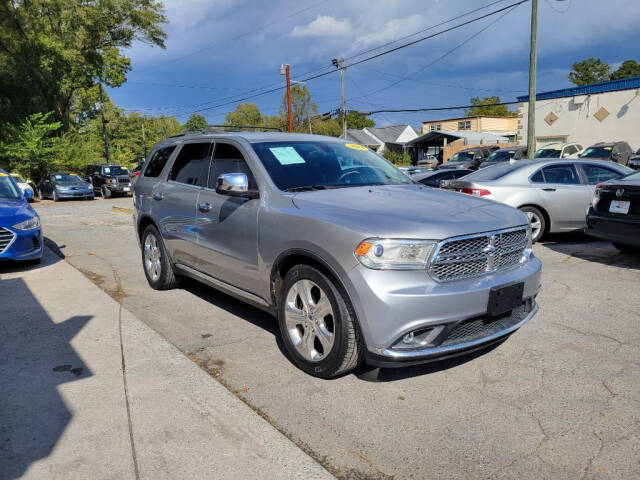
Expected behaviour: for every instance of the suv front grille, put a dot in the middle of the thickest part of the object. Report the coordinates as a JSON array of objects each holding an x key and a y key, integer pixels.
[
  {"x": 470, "y": 256},
  {"x": 124, "y": 180},
  {"x": 6, "y": 237}
]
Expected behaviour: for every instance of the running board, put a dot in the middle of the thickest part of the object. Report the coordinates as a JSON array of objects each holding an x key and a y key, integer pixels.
[{"x": 225, "y": 287}]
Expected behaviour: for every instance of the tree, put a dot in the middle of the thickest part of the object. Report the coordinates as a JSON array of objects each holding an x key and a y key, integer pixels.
[
  {"x": 629, "y": 68},
  {"x": 196, "y": 122},
  {"x": 357, "y": 120},
  {"x": 50, "y": 50},
  {"x": 487, "y": 106},
  {"x": 302, "y": 106},
  {"x": 591, "y": 70},
  {"x": 33, "y": 146},
  {"x": 247, "y": 114}
]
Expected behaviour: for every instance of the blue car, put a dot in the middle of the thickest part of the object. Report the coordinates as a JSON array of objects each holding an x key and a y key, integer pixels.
[{"x": 20, "y": 232}]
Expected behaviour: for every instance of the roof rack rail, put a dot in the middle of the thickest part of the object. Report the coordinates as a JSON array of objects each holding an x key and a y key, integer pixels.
[{"x": 237, "y": 128}]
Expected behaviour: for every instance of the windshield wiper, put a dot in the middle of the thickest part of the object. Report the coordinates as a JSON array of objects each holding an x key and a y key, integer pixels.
[{"x": 306, "y": 187}]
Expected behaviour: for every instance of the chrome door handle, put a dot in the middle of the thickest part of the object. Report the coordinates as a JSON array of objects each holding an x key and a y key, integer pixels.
[
  {"x": 158, "y": 196},
  {"x": 548, "y": 189},
  {"x": 204, "y": 207}
]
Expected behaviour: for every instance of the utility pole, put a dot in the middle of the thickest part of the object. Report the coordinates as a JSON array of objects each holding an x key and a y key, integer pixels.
[
  {"x": 284, "y": 70},
  {"x": 104, "y": 126},
  {"x": 339, "y": 64},
  {"x": 531, "y": 115}
]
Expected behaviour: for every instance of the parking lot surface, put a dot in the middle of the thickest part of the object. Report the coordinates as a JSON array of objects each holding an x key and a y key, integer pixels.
[{"x": 559, "y": 399}]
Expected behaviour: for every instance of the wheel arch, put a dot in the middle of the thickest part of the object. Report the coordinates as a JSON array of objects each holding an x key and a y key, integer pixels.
[{"x": 543, "y": 211}]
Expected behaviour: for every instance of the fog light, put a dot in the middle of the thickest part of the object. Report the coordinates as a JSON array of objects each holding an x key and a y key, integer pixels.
[
  {"x": 408, "y": 338},
  {"x": 418, "y": 338}
]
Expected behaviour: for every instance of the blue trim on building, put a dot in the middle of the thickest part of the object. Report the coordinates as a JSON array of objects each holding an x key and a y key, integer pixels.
[{"x": 602, "y": 87}]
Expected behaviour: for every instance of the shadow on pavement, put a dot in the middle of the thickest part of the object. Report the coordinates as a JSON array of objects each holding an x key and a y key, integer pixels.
[
  {"x": 591, "y": 249},
  {"x": 36, "y": 357}
]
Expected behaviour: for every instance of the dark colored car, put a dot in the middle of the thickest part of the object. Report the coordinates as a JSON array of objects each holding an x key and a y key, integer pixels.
[
  {"x": 109, "y": 179},
  {"x": 618, "y": 152},
  {"x": 434, "y": 177},
  {"x": 504, "y": 155},
  {"x": 614, "y": 213},
  {"x": 469, "y": 158},
  {"x": 634, "y": 161},
  {"x": 62, "y": 185}
]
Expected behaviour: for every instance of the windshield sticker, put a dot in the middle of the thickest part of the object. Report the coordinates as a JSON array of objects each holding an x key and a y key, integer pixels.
[
  {"x": 607, "y": 148},
  {"x": 355, "y": 146},
  {"x": 107, "y": 170},
  {"x": 3, "y": 174},
  {"x": 58, "y": 177},
  {"x": 286, "y": 155},
  {"x": 557, "y": 148}
]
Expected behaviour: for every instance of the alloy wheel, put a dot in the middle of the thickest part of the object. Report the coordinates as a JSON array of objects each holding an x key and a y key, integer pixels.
[
  {"x": 152, "y": 257},
  {"x": 536, "y": 223},
  {"x": 309, "y": 320}
]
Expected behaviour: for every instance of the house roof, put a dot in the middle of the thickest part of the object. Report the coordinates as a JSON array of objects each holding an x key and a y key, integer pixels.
[
  {"x": 470, "y": 137},
  {"x": 602, "y": 87},
  {"x": 388, "y": 134},
  {"x": 361, "y": 136}
]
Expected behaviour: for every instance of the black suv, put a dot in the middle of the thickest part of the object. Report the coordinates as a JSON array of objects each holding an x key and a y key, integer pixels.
[
  {"x": 619, "y": 152},
  {"x": 109, "y": 179},
  {"x": 469, "y": 158}
]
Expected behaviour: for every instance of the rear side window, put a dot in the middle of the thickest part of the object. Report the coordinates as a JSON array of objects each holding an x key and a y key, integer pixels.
[
  {"x": 192, "y": 164},
  {"x": 561, "y": 175},
  {"x": 597, "y": 174},
  {"x": 537, "y": 177},
  {"x": 228, "y": 159},
  {"x": 158, "y": 161}
]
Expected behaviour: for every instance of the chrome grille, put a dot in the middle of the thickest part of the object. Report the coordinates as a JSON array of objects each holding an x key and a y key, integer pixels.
[
  {"x": 6, "y": 237},
  {"x": 124, "y": 180},
  {"x": 474, "y": 255}
]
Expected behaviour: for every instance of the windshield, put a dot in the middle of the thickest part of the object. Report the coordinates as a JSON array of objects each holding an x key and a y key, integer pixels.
[
  {"x": 462, "y": 157},
  {"x": 633, "y": 176},
  {"x": 66, "y": 177},
  {"x": 596, "y": 152},
  {"x": 18, "y": 178},
  {"x": 115, "y": 170},
  {"x": 319, "y": 165},
  {"x": 501, "y": 155},
  {"x": 8, "y": 189},
  {"x": 548, "y": 153},
  {"x": 497, "y": 171}
]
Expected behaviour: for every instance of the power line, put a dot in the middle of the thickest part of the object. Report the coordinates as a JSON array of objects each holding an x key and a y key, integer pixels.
[{"x": 436, "y": 109}]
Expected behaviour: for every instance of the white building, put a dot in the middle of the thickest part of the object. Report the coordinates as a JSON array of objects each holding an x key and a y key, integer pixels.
[{"x": 602, "y": 112}]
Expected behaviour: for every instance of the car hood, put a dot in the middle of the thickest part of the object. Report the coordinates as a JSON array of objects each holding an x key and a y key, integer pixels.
[
  {"x": 14, "y": 211},
  {"x": 73, "y": 184},
  {"x": 407, "y": 211}
]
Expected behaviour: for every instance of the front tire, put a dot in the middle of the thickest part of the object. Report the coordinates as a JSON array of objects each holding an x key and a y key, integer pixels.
[
  {"x": 317, "y": 324},
  {"x": 537, "y": 221},
  {"x": 55, "y": 197},
  {"x": 106, "y": 193},
  {"x": 155, "y": 261}
]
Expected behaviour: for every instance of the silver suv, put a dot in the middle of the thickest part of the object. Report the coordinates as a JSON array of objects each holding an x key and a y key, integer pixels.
[{"x": 355, "y": 260}]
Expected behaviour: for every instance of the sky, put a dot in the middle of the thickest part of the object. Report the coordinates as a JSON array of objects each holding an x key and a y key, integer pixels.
[{"x": 219, "y": 51}]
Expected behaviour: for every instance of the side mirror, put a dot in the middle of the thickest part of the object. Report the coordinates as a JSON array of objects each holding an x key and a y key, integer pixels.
[{"x": 235, "y": 185}]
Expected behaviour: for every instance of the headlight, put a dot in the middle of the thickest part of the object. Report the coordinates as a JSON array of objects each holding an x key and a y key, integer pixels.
[
  {"x": 394, "y": 253},
  {"x": 30, "y": 224}
]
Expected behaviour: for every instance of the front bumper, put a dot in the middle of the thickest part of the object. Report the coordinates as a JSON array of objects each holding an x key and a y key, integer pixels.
[
  {"x": 614, "y": 229},
  {"x": 121, "y": 188},
  {"x": 26, "y": 245},
  {"x": 390, "y": 304},
  {"x": 65, "y": 194}
]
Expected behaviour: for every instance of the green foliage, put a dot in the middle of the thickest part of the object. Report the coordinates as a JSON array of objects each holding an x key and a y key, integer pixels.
[
  {"x": 33, "y": 147},
  {"x": 629, "y": 68},
  {"x": 357, "y": 120},
  {"x": 302, "y": 107},
  {"x": 397, "y": 158},
  {"x": 52, "y": 50},
  {"x": 246, "y": 114},
  {"x": 591, "y": 70},
  {"x": 196, "y": 122},
  {"x": 488, "y": 107},
  {"x": 331, "y": 127}
]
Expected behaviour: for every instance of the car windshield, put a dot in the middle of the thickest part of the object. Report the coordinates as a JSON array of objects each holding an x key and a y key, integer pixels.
[
  {"x": 115, "y": 170},
  {"x": 8, "y": 189},
  {"x": 548, "y": 153},
  {"x": 319, "y": 165},
  {"x": 66, "y": 177},
  {"x": 633, "y": 176},
  {"x": 497, "y": 171},
  {"x": 501, "y": 155},
  {"x": 596, "y": 152},
  {"x": 462, "y": 157}
]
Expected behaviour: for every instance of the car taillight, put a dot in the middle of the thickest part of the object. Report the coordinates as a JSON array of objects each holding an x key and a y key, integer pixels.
[
  {"x": 595, "y": 194},
  {"x": 137, "y": 174},
  {"x": 476, "y": 192}
]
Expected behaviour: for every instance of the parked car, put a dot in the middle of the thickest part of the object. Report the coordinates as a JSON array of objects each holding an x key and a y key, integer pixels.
[
  {"x": 108, "y": 179},
  {"x": 62, "y": 185},
  {"x": 469, "y": 158},
  {"x": 614, "y": 213},
  {"x": 634, "y": 161},
  {"x": 504, "y": 155},
  {"x": 558, "y": 150},
  {"x": 20, "y": 233},
  {"x": 554, "y": 194},
  {"x": 433, "y": 178},
  {"x": 25, "y": 187},
  {"x": 619, "y": 152},
  {"x": 430, "y": 161},
  {"x": 135, "y": 173},
  {"x": 414, "y": 170},
  {"x": 309, "y": 229}
]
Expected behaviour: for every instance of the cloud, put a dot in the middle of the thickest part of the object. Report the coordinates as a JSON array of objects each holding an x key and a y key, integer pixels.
[
  {"x": 323, "y": 26},
  {"x": 392, "y": 29}
]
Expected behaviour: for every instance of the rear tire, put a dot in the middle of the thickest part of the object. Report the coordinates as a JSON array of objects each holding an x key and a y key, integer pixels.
[
  {"x": 320, "y": 332},
  {"x": 537, "y": 221},
  {"x": 626, "y": 248},
  {"x": 155, "y": 261}
]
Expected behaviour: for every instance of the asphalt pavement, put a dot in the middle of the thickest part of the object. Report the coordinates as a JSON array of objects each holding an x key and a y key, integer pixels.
[{"x": 558, "y": 399}]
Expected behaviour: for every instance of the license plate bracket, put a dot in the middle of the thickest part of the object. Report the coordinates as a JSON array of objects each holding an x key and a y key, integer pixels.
[
  {"x": 619, "y": 206},
  {"x": 504, "y": 298}
]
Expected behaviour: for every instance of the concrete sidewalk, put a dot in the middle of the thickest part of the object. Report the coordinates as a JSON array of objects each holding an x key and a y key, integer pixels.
[{"x": 89, "y": 391}]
